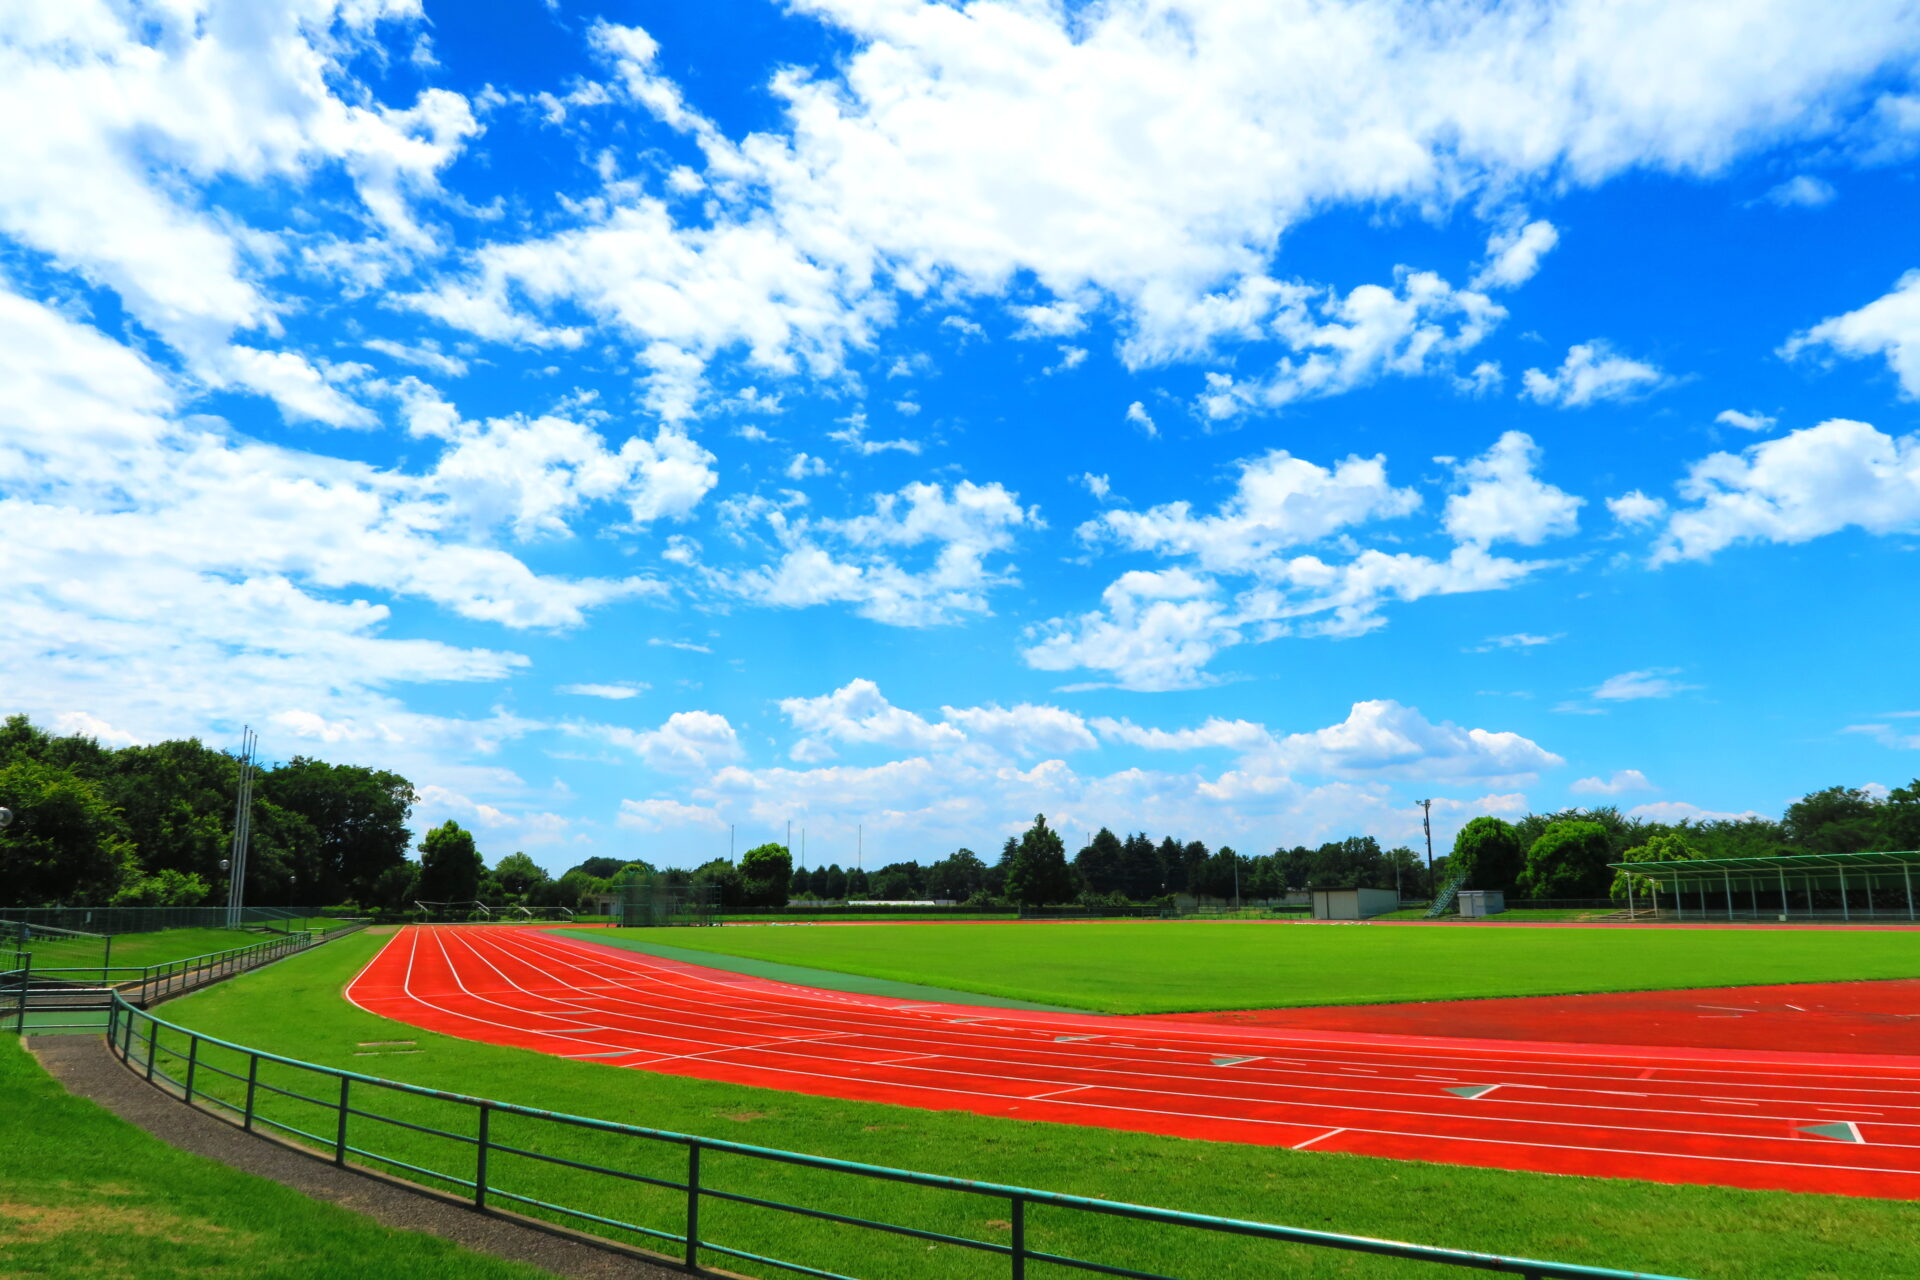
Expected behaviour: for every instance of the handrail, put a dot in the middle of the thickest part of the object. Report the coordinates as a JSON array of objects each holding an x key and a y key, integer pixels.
[{"x": 125, "y": 1019}]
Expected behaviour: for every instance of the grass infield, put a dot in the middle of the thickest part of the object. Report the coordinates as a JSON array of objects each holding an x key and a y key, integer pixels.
[
  {"x": 85, "y": 1196},
  {"x": 296, "y": 1008},
  {"x": 134, "y": 950},
  {"x": 1170, "y": 967}
]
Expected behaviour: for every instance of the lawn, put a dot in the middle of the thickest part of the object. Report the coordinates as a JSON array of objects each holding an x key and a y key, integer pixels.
[
  {"x": 296, "y": 1008},
  {"x": 134, "y": 950},
  {"x": 86, "y": 1196},
  {"x": 1170, "y": 966}
]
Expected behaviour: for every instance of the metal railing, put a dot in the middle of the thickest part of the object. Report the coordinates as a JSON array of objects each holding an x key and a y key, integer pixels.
[
  {"x": 682, "y": 1191},
  {"x": 149, "y": 919},
  {"x": 83, "y": 995}
]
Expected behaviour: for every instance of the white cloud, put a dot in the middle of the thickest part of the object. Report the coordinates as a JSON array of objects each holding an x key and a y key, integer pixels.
[
  {"x": 665, "y": 815},
  {"x": 1383, "y": 739},
  {"x": 1591, "y": 373},
  {"x": 1634, "y": 508},
  {"x": 1677, "y": 811},
  {"x": 1518, "y": 640},
  {"x": 1279, "y": 501},
  {"x": 1156, "y": 630},
  {"x": 1808, "y": 483},
  {"x": 1050, "y": 320},
  {"x": 853, "y": 435},
  {"x": 687, "y": 645},
  {"x": 1505, "y": 502},
  {"x": 117, "y": 115},
  {"x": 1098, "y": 486},
  {"x": 1231, "y": 735},
  {"x": 859, "y": 712},
  {"x": 612, "y": 692},
  {"x": 1754, "y": 421},
  {"x": 856, "y": 560},
  {"x": 1137, "y": 414},
  {"x": 1802, "y": 191},
  {"x": 427, "y": 355},
  {"x": 1620, "y": 783},
  {"x": 1889, "y": 326},
  {"x": 803, "y": 465},
  {"x": 1415, "y": 328},
  {"x": 1070, "y": 358},
  {"x": 1513, "y": 255},
  {"x": 686, "y": 742},
  {"x": 1886, "y": 735},
  {"x": 1628, "y": 686}
]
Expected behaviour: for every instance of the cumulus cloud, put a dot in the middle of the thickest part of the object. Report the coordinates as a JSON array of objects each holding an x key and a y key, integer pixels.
[
  {"x": 857, "y": 560},
  {"x": 1504, "y": 501},
  {"x": 611, "y": 692},
  {"x": 1513, "y": 254},
  {"x": 1518, "y": 640},
  {"x": 1806, "y": 484},
  {"x": 1635, "y": 509},
  {"x": 689, "y": 742},
  {"x": 1620, "y": 783},
  {"x": 859, "y": 712},
  {"x": 1592, "y": 372},
  {"x": 1888, "y": 327},
  {"x": 1138, "y": 416}
]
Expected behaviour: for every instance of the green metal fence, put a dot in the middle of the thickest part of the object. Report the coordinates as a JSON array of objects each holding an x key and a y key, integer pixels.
[
  {"x": 705, "y": 1198},
  {"x": 150, "y": 919},
  {"x": 81, "y": 998}
]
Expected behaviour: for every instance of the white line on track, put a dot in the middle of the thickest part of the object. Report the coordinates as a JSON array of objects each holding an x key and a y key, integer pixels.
[
  {"x": 1428, "y": 1136},
  {"x": 1318, "y": 1137}
]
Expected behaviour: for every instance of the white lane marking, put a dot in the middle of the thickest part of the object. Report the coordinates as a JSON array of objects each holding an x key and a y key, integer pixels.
[
  {"x": 1057, "y": 1092},
  {"x": 1738, "y": 1102},
  {"x": 1428, "y": 1136},
  {"x": 1318, "y": 1137}
]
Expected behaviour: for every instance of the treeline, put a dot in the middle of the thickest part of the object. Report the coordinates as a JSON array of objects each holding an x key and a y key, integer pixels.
[
  {"x": 149, "y": 825},
  {"x": 1567, "y": 854}
]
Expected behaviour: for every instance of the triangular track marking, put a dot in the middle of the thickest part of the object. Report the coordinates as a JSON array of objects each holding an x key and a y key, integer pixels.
[
  {"x": 1473, "y": 1090},
  {"x": 1232, "y": 1062},
  {"x": 1839, "y": 1131}
]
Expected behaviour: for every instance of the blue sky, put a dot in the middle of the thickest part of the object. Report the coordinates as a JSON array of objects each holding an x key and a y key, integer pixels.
[{"x": 1235, "y": 421}]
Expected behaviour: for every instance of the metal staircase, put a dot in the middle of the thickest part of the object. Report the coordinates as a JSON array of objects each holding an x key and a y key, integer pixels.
[{"x": 1448, "y": 891}]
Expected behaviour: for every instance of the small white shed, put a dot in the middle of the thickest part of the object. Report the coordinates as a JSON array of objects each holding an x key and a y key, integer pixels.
[
  {"x": 1353, "y": 904},
  {"x": 1475, "y": 903}
]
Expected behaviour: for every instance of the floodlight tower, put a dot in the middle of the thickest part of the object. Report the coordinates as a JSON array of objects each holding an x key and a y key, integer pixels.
[
  {"x": 242, "y": 828},
  {"x": 1426, "y": 823}
]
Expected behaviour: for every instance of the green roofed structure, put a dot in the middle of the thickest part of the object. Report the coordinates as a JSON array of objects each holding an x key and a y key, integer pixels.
[{"x": 1850, "y": 886}]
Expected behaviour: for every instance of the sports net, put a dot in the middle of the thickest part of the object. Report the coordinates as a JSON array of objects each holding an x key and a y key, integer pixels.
[{"x": 654, "y": 901}]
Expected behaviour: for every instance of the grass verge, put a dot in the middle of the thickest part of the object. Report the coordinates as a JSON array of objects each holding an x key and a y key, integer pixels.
[
  {"x": 1170, "y": 967},
  {"x": 85, "y": 1195},
  {"x": 134, "y": 950},
  {"x": 295, "y": 1008}
]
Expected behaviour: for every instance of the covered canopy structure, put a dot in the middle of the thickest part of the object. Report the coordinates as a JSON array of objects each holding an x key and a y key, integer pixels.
[{"x": 1851, "y": 886}]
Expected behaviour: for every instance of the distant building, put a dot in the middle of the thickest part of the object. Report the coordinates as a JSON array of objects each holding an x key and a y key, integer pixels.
[{"x": 1353, "y": 904}]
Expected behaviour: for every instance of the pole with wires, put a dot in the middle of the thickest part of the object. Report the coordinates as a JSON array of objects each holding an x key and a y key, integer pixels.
[{"x": 242, "y": 829}]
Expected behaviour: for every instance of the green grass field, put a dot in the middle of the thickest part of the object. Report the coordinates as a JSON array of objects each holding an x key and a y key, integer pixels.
[
  {"x": 296, "y": 1008},
  {"x": 86, "y": 1196},
  {"x": 133, "y": 950},
  {"x": 1169, "y": 967}
]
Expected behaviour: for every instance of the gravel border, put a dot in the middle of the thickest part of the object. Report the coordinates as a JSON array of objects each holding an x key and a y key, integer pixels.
[{"x": 89, "y": 1070}]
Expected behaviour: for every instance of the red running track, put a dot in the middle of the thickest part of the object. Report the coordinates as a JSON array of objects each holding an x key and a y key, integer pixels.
[{"x": 1841, "y": 1123}]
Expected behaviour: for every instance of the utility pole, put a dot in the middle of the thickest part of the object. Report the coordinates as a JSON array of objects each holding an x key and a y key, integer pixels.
[
  {"x": 1236, "y": 881},
  {"x": 1426, "y": 822},
  {"x": 789, "y": 835},
  {"x": 242, "y": 828},
  {"x": 860, "y": 845},
  {"x": 729, "y": 842}
]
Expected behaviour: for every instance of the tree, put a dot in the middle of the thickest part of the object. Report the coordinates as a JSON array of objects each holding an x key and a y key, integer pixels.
[
  {"x": 450, "y": 866},
  {"x": 599, "y": 868},
  {"x": 163, "y": 888},
  {"x": 1569, "y": 860},
  {"x": 1101, "y": 865},
  {"x": 1836, "y": 820},
  {"x": 766, "y": 871},
  {"x": 1142, "y": 875},
  {"x": 518, "y": 875},
  {"x": 835, "y": 888},
  {"x": 396, "y": 888},
  {"x": 1490, "y": 852},
  {"x": 358, "y": 814},
  {"x": 66, "y": 844},
  {"x": 956, "y": 877},
  {"x": 1901, "y": 817},
  {"x": 1038, "y": 873},
  {"x": 856, "y": 883},
  {"x": 1665, "y": 846}
]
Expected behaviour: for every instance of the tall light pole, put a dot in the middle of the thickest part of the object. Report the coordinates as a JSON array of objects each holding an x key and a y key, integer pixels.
[
  {"x": 242, "y": 829},
  {"x": 1426, "y": 822}
]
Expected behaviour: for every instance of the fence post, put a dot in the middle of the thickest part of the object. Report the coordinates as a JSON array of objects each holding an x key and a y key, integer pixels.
[
  {"x": 106, "y": 961},
  {"x": 693, "y": 1206},
  {"x": 253, "y": 1082},
  {"x": 340, "y": 1139},
  {"x": 1019, "y": 1237},
  {"x": 153, "y": 1045},
  {"x": 26, "y": 989},
  {"x": 480, "y": 1160},
  {"x": 113, "y": 1021},
  {"x": 193, "y": 1061}
]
